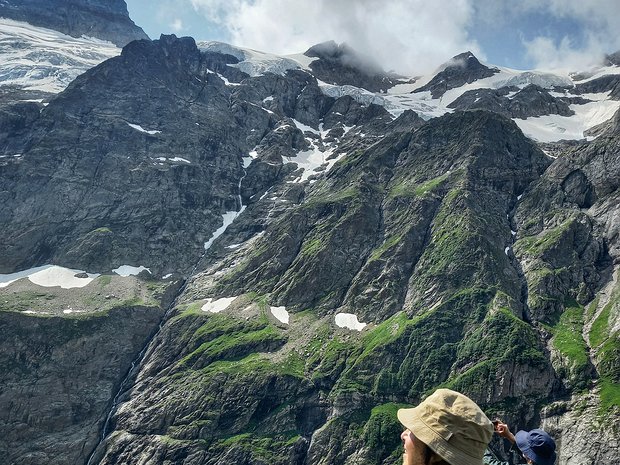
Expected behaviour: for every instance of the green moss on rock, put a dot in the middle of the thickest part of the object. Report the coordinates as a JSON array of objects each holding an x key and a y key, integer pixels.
[
  {"x": 382, "y": 431},
  {"x": 537, "y": 245},
  {"x": 568, "y": 340}
]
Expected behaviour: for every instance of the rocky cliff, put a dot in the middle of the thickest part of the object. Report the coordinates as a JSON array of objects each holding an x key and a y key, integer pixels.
[{"x": 64, "y": 355}]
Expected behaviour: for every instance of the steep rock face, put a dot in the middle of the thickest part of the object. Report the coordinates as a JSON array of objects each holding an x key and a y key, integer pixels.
[
  {"x": 59, "y": 376},
  {"x": 85, "y": 167},
  {"x": 378, "y": 189},
  {"x": 461, "y": 69},
  {"x": 146, "y": 150},
  {"x": 577, "y": 422},
  {"x": 568, "y": 247},
  {"x": 613, "y": 59},
  {"x": 104, "y": 19},
  {"x": 528, "y": 102}
]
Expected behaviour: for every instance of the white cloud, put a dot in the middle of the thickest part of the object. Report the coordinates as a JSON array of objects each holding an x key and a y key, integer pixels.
[
  {"x": 409, "y": 36},
  {"x": 562, "y": 55},
  {"x": 176, "y": 25},
  {"x": 600, "y": 20},
  {"x": 415, "y": 36}
]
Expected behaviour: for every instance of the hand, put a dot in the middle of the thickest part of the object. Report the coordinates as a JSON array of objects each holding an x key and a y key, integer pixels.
[
  {"x": 502, "y": 430},
  {"x": 407, "y": 438}
]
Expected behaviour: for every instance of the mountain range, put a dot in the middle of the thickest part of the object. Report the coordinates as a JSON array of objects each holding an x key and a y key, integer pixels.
[{"x": 216, "y": 255}]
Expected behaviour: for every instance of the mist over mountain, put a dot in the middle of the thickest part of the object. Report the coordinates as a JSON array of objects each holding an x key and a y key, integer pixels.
[{"x": 215, "y": 255}]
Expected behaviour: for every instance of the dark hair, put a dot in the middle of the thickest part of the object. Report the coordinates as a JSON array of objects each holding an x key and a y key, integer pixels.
[
  {"x": 432, "y": 457},
  {"x": 428, "y": 455}
]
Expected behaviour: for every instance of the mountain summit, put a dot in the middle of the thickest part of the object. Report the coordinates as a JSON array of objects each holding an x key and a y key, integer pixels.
[
  {"x": 460, "y": 69},
  {"x": 340, "y": 64}
]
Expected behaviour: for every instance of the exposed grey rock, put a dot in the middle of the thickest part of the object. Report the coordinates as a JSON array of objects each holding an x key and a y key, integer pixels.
[
  {"x": 89, "y": 172},
  {"x": 59, "y": 376},
  {"x": 528, "y": 102},
  {"x": 582, "y": 437},
  {"x": 613, "y": 59},
  {"x": 609, "y": 83},
  {"x": 461, "y": 69},
  {"x": 104, "y": 19}
]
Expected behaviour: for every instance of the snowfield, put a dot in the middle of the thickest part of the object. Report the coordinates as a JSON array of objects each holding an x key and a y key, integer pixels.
[
  {"x": 41, "y": 59},
  {"x": 218, "y": 305},
  {"x": 280, "y": 313},
  {"x": 129, "y": 270},
  {"x": 50, "y": 276},
  {"x": 255, "y": 63},
  {"x": 349, "y": 321}
]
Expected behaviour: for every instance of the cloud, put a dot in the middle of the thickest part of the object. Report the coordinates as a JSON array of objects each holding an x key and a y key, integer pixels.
[
  {"x": 176, "y": 25},
  {"x": 415, "y": 36},
  {"x": 409, "y": 36},
  {"x": 600, "y": 27},
  {"x": 561, "y": 55}
]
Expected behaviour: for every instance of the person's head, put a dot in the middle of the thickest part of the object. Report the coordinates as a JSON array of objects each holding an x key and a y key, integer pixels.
[
  {"x": 536, "y": 446},
  {"x": 451, "y": 425}
]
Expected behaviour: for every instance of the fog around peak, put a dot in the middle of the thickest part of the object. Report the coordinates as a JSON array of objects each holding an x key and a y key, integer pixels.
[{"x": 411, "y": 37}]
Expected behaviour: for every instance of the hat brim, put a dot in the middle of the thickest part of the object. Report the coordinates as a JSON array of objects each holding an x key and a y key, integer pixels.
[
  {"x": 410, "y": 418},
  {"x": 524, "y": 447}
]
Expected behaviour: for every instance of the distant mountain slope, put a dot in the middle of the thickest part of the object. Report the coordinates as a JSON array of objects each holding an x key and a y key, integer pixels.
[{"x": 103, "y": 19}]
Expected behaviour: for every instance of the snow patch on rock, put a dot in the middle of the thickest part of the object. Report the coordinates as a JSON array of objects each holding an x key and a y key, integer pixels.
[
  {"x": 280, "y": 313},
  {"x": 137, "y": 127},
  {"x": 349, "y": 320},
  {"x": 50, "y": 276},
  {"x": 218, "y": 305},
  {"x": 227, "y": 218},
  {"x": 552, "y": 128},
  {"x": 129, "y": 270}
]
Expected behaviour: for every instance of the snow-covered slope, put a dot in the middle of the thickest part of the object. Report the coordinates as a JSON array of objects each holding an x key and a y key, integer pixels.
[
  {"x": 599, "y": 109},
  {"x": 551, "y": 128},
  {"x": 39, "y": 59},
  {"x": 255, "y": 63},
  {"x": 590, "y": 108}
]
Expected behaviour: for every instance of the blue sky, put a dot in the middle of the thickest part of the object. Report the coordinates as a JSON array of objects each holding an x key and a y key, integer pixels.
[{"x": 408, "y": 36}]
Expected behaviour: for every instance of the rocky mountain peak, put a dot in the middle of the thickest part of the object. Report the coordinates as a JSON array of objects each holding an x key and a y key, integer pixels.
[
  {"x": 613, "y": 59},
  {"x": 342, "y": 65},
  {"x": 343, "y": 53},
  {"x": 461, "y": 69},
  {"x": 104, "y": 19},
  {"x": 465, "y": 59}
]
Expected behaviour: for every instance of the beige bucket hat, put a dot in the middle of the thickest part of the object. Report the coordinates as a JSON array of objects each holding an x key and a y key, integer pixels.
[{"x": 452, "y": 425}]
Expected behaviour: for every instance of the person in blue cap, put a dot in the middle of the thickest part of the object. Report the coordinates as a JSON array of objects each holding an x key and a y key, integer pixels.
[{"x": 536, "y": 446}]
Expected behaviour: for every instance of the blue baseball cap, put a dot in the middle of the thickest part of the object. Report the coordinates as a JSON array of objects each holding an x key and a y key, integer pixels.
[{"x": 537, "y": 446}]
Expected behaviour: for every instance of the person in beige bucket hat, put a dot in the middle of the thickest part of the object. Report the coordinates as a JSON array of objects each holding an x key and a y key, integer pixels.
[{"x": 447, "y": 427}]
